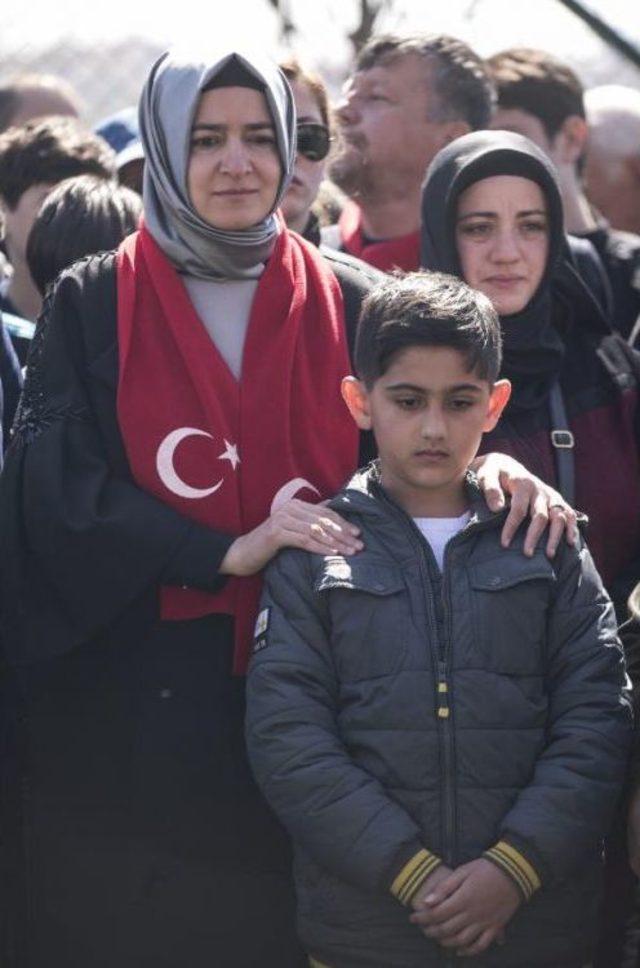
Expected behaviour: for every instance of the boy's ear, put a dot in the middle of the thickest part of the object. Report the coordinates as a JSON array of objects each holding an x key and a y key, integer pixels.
[
  {"x": 354, "y": 394},
  {"x": 500, "y": 393}
]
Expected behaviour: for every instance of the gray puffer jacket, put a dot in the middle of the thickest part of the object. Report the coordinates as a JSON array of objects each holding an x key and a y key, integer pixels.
[{"x": 392, "y": 709}]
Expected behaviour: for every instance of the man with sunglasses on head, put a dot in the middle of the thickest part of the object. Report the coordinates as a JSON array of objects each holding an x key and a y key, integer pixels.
[{"x": 407, "y": 98}]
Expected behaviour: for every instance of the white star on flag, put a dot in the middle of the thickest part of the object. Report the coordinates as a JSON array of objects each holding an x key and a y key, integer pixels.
[{"x": 230, "y": 454}]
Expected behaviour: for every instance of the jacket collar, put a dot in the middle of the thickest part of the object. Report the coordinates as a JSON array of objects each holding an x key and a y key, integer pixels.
[{"x": 362, "y": 495}]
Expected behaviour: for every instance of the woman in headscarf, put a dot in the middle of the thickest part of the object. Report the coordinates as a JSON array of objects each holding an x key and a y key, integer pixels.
[
  {"x": 182, "y": 414},
  {"x": 492, "y": 214},
  {"x": 175, "y": 402}
]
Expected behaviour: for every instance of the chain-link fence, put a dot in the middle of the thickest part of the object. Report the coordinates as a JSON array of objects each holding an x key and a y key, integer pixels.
[
  {"x": 108, "y": 71},
  {"x": 106, "y": 77}
]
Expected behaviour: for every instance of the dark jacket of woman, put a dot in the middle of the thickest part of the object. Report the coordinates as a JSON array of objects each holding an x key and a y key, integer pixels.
[
  {"x": 560, "y": 338},
  {"x": 134, "y": 835},
  {"x": 144, "y": 840}
]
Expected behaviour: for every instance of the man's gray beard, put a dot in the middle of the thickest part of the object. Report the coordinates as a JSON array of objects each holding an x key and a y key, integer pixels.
[
  {"x": 356, "y": 178},
  {"x": 352, "y": 175}
]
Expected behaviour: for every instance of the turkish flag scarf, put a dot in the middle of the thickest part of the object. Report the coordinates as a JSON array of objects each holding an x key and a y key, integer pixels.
[
  {"x": 401, "y": 253},
  {"x": 218, "y": 450}
]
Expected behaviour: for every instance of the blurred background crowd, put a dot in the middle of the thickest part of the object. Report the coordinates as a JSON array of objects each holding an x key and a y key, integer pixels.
[{"x": 90, "y": 67}]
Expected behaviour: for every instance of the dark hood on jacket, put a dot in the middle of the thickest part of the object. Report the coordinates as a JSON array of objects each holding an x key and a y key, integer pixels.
[{"x": 533, "y": 343}]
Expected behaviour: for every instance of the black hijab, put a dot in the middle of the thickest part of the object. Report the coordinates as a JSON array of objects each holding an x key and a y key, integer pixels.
[{"x": 533, "y": 339}]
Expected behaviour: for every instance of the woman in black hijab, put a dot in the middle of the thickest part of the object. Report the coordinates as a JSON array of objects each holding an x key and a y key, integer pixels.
[{"x": 492, "y": 214}]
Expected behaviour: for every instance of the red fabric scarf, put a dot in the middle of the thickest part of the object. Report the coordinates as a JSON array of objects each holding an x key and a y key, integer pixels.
[
  {"x": 217, "y": 450},
  {"x": 401, "y": 253}
]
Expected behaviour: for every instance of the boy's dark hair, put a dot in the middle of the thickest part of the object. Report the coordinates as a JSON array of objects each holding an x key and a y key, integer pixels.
[
  {"x": 50, "y": 150},
  {"x": 427, "y": 309},
  {"x": 534, "y": 81},
  {"x": 461, "y": 83},
  {"x": 78, "y": 217}
]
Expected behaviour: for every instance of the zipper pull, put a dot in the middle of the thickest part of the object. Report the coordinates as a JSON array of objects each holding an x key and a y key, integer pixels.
[{"x": 443, "y": 692}]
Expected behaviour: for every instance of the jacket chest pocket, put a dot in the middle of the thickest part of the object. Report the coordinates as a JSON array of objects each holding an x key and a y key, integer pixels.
[
  {"x": 510, "y": 604},
  {"x": 368, "y": 607}
]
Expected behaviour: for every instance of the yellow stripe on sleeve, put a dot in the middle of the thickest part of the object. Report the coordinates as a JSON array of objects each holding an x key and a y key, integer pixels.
[
  {"x": 413, "y": 875},
  {"x": 517, "y": 866}
]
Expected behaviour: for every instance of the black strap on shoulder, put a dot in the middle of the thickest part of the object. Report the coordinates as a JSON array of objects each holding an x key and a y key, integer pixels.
[{"x": 563, "y": 444}]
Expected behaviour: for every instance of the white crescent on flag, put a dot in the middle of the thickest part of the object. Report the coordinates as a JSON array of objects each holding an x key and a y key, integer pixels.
[
  {"x": 289, "y": 490},
  {"x": 166, "y": 468}
]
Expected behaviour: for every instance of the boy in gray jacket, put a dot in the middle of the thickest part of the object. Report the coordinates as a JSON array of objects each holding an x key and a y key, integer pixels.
[{"x": 440, "y": 723}]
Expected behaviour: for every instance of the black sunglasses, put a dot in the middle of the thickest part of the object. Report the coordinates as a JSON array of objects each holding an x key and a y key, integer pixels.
[{"x": 313, "y": 140}]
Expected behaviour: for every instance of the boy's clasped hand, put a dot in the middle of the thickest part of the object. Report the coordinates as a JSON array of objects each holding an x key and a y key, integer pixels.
[{"x": 466, "y": 908}]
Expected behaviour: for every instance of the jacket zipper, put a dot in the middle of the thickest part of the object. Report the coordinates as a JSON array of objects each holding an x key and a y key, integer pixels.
[
  {"x": 444, "y": 715},
  {"x": 444, "y": 700},
  {"x": 439, "y": 661}
]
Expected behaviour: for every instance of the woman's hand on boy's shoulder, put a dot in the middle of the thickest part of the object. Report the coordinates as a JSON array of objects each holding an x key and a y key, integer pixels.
[
  {"x": 500, "y": 476},
  {"x": 296, "y": 524}
]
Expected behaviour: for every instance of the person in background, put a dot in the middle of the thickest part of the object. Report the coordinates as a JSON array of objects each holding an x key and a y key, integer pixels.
[
  {"x": 122, "y": 132},
  {"x": 612, "y": 170},
  {"x": 492, "y": 213},
  {"x": 79, "y": 217},
  {"x": 24, "y": 97},
  {"x": 406, "y": 98},
  {"x": 28, "y": 96},
  {"x": 542, "y": 98},
  {"x": 313, "y": 144},
  {"x": 34, "y": 158}
]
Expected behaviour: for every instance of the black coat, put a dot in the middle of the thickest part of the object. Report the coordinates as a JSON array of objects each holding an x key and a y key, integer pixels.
[{"x": 143, "y": 839}]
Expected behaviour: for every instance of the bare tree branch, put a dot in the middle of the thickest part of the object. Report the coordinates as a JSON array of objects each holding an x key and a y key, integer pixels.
[
  {"x": 369, "y": 11},
  {"x": 287, "y": 26}
]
